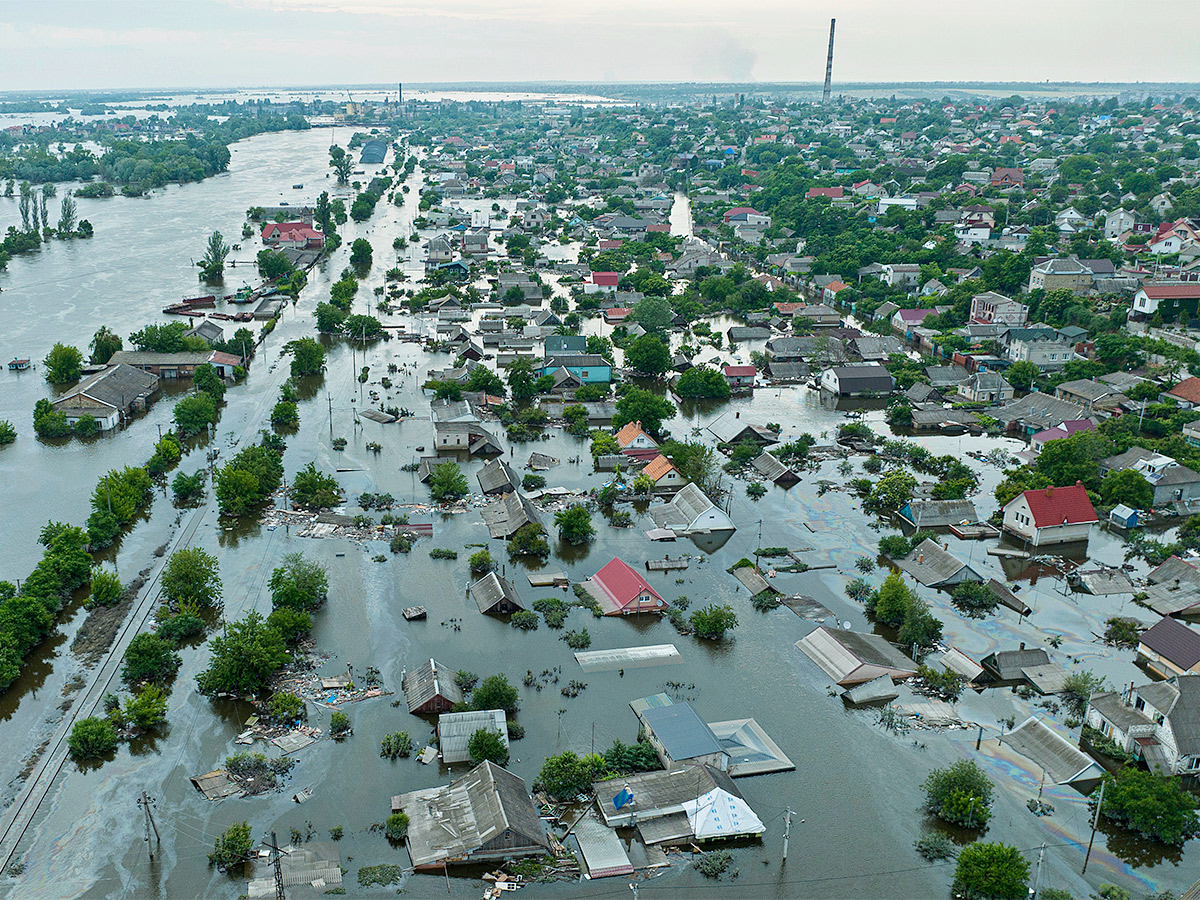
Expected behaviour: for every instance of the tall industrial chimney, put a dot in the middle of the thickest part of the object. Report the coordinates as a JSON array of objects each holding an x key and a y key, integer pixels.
[
  {"x": 829, "y": 64},
  {"x": 400, "y": 92}
]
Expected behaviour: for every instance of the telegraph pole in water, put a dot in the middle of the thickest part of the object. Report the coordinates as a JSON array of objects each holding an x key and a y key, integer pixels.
[
  {"x": 1095, "y": 822},
  {"x": 275, "y": 865},
  {"x": 145, "y": 803},
  {"x": 787, "y": 833}
]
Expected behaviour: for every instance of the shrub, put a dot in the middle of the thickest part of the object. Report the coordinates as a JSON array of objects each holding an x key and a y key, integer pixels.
[
  {"x": 339, "y": 724},
  {"x": 178, "y": 628},
  {"x": 91, "y": 738},
  {"x": 624, "y": 758},
  {"x": 299, "y": 583},
  {"x": 447, "y": 483},
  {"x": 530, "y": 540},
  {"x": 285, "y": 416},
  {"x": 713, "y": 621},
  {"x": 147, "y": 709},
  {"x": 191, "y": 581},
  {"x": 106, "y": 588},
  {"x": 194, "y": 413},
  {"x": 495, "y": 693},
  {"x": 396, "y": 744},
  {"x": 713, "y": 863},
  {"x": 935, "y": 846},
  {"x": 150, "y": 658},
  {"x": 442, "y": 553},
  {"x": 8, "y": 433},
  {"x": 481, "y": 562},
  {"x": 315, "y": 490},
  {"x": 960, "y": 793},
  {"x": 396, "y": 827},
  {"x": 188, "y": 487},
  {"x": 232, "y": 847},
  {"x": 285, "y": 708},
  {"x": 1158, "y": 809},
  {"x": 525, "y": 620},
  {"x": 578, "y": 640},
  {"x": 533, "y": 482}
]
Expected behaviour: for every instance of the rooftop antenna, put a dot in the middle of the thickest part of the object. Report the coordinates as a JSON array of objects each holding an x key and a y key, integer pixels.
[{"x": 829, "y": 65}]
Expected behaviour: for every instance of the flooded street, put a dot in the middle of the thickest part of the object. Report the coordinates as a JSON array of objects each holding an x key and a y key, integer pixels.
[{"x": 856, "y": 788}]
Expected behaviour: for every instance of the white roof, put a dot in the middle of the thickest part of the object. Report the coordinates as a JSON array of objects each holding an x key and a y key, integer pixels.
[{"x": 720, "y": 814}]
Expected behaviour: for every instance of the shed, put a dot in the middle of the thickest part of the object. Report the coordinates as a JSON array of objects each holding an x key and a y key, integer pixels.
[
  {"x": 495, "y": 594},
  {"x": 749, "y": 748},
  {"x": 1063, "y": 762},
  {"x": 878, "y": 690},
  {"x": 603, "y": 852},
  {"x": 430, "y": 688},
  {"x": 497, "y": 478},
  {"x": 541, "y": 461},
  {"x": 938, "y": 513},
  {"x": 1008, "y": 598},
  {"x": 455, "y": 730},
  {"x": 850, "y": 658},
  {"x": 1123, "y": 516},
  {"x": 933, "y": 566},
  {"x": 1007, "y": 667},
  {"x": 770, "y": 468}
]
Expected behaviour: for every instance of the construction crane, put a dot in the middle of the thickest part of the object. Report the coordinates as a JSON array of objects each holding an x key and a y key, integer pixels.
[{"x": 351, "y": 106}]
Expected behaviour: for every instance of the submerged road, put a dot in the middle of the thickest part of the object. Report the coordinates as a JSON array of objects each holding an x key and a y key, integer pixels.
[{"x": 20, "y": 814}]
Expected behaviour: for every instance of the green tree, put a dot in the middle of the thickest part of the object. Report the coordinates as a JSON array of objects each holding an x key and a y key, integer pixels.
[
  {"x": 330, "y": 319},
  {"x": 575, "y": 524},
  {"x": 185, "y": 487},
  {"x": 890, "y": 493},
  {"x": 567, "y": 775},
  {"x": 648, "y": 354},
  {"x": 481, "y": 562},
  {"x": 712, "y": 621},
  {"x": 285, "y": 416},
  {"x": 106, "y": 588},
  {"x": 147, "y": 709},
  {"x": 8, "y": 433},
  {"x": 974, "y": 599},
  {"x": 308, "y": 357},
  {"x": 529, "y": 540},
  {"x": 1127, "y": 486},
  {"x": 149, "y": 658},
  {"x": 232, "y": 847},
  {"x": 892, "y": 602},
  {"x": 191, "y": 581},
  {"x": 341, "y": 162},
  {"x": 91, "y": 738},
  {"x": 1022, "y": 374},
  {"x": 702, "y": 382},
  {"x": 1074, "y": 458},
  {"x": 494, "y": 692},
  {"x": 604, "y": 444},
  {"x": 1078, "y": 688},
  {"x": 323, "y": 214},
  {"x": 360, "y": 253},
  {"x": 244, "y": 658},
  {"x": 484, "y": 379},
  {"x": 299, "y": 583},
  {"x": 208, "y": 380},
  {"x": 274, "y": 265},
  {"x": 991, "y": 872},
  {"x": 521, "y": 381},
  {"x": 447, "y": 482},
  {"x": 104, "y": 344},
  {"x": 653, "y": 314},
  {"x": 396, "y": 826},
  {"x": 1157, "y": 808},
  {"x": 212, "y": 264},
  {"x": 194, "y": 413},
  {"x": 315, "y": 490},
  {"x": 639, "y": 405},
  {"x": 960, "y": 793},
  {"x": 63, "y": 364},
  {"x": 485, "y": 744},
  {"x": 920, "y": 626}
]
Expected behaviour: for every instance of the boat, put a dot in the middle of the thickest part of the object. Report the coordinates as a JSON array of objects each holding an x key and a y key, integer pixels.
[
  {"x": 296, "y": 187},
  {"x": 182, "y": 309},
  {"x": 207, "y": 300},
  {"x": 18, "y": 365}
]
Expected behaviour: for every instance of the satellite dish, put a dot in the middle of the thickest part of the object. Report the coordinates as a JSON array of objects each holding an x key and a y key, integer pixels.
[{"x": 846, "y": 625}]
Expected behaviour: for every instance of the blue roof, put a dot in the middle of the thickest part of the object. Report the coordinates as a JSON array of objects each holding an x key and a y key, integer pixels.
[{"x": 682, "y": 733}]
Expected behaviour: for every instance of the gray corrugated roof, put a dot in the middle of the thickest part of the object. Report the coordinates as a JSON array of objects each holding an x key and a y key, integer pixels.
[
  {"x": 491, "y": 589},
  {"x": 506, "y": 515},
  {"x": 496, "y": 476},
  {"x": 935, "y": 513},
  {"x": 1063, "y": 762},
  {"x": 456, "y": 729},
  {"x": 683, "y": 734},
  {"x": 117, "y": 386},
  {"x": 429, "y": 680},
  {"x": 931, "y": 565}
]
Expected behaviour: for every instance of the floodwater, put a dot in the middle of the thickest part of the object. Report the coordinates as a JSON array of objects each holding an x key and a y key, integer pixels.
[{"x": 855, "y": 791}]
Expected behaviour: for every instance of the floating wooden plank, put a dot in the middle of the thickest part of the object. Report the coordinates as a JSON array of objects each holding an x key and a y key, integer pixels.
[
  {"x": 628, "y": 658},
  {"x": 290, "y": 743},
  {"x": 666, "y": 564},
  {"x": 414, "y": 612},
  {"x": 548, "y": 579}
]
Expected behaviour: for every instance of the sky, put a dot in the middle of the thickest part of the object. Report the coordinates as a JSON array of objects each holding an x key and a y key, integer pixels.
[{"x": 114, "y": 44}]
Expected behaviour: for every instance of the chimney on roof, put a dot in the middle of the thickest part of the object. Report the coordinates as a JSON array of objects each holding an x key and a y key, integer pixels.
[
  {"x": 1049, "y": 492},
  {"x": 1022, "y": 645},
  {"x": 1078, "y": 483}
]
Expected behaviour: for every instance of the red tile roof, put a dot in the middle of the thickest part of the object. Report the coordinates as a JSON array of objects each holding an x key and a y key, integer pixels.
[
  {"x": 629, "y": 433},
  {"x": 834, "y": 193},
  {"x": 1188, "y": 290},
  {"x": 740, "y": 371},
  {"x": 623, "y": 584},
  {"x": 1060, "y": 506},
  {"x": 658, "y": 467},
  {"x": 1188, "y": 389},
  {"x": 606, "y": 279}
]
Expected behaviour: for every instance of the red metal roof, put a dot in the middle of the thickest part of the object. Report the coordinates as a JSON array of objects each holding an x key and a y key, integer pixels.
[
  {"x": 740, "y": 371},
  {"x": 622, "y": 583},
  {"x": 1186, "y": 290},
  {"x": 833, "y": 193},
  {"x": 606, "y": 279},
  {"x": 1060, "y": 506}
]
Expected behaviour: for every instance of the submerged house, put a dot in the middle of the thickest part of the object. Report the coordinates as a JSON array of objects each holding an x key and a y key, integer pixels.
[
  {"x": 497, "y": 478},
  {"x": 691, "y": 512},
  {"x": 1159, "y": 723},
  {"x": 1052, "y": 515},
  {"x": 495, "y": 594},
  {"x": 430, "y": 688},
  {"x": 934, "y": 566},
  {"x": 484, "y": 817},
  {"x": 851, "y": 657},
  {"x": 455, "y": 729},
  {"x": 109, "y": 396},
  {"x": 506, "y": 516},
  {"x": 621, "y": 591}
]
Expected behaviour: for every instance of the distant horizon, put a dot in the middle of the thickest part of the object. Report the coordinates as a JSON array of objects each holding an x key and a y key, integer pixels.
[{"x": 574, "y": 85}]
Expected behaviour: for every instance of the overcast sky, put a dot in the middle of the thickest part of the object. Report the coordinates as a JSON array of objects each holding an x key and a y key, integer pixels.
[{"x": 57, "y": 44}]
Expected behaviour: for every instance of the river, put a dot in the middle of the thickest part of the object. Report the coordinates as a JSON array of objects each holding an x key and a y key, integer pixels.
[{"x": 856, "y": 787}]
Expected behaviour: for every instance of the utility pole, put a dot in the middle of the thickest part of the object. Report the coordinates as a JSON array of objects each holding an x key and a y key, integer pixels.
[
  {"x": 633, "y": 887},
  {"x": 787, "y": 832},
  {"x": 1037, "y": 878},
  {"x": 275, "y": 865},
  {"x": 329, "y": 397},
  {"x": 145, "y": 803},
  {"x": 1095, "y": 822}
]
